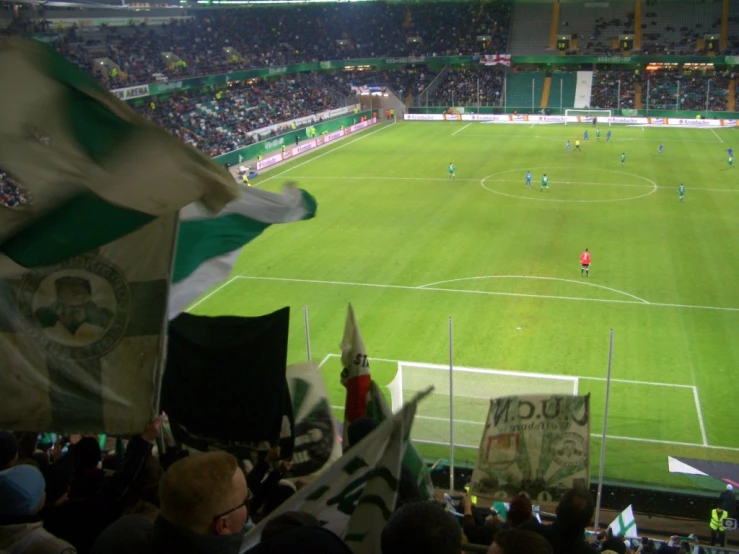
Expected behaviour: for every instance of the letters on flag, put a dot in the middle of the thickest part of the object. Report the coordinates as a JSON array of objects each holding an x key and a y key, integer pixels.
[
  {"x": 356, "y": 373},
  {"x": 496, "y": 59},
  {"x": 364, "y": 398},
  {"x": 536, "y": 444},
  {"x": 356, "y": 495}
]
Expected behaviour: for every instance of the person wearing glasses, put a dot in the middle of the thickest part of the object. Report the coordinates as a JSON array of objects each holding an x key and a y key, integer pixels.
[{"x": 203, "y": 509}]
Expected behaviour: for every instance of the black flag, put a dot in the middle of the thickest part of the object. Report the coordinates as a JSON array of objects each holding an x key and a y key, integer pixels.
[{"x": 224, "y": 387}]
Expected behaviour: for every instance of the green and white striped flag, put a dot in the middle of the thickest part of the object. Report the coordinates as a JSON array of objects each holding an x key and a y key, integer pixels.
[
  {"x": 625, "y": 525},
  {"x": 209, "y": 245},
  {"x": 356, "y": 496},
  {"x": 85, "y": 267}
]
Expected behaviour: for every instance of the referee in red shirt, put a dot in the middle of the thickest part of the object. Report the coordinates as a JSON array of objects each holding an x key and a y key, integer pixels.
[{"x": 585, "y": 263}]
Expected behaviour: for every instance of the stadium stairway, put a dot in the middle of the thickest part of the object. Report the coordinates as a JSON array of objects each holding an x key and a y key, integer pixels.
[
  {"x": 545, "y": 91},
  {"x": 518, "y": 90},
  {"x": 638, "y": 102},
  {"x": 731, "y": 101},
  {"x": 563, "y": 90},
  {"x": 554, "y": 25}
]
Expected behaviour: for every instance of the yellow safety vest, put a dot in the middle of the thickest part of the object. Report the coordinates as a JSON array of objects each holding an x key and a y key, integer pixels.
[{"x": 717, "y": 522}]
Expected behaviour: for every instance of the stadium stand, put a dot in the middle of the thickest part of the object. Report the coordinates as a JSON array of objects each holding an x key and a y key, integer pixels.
[
  {"x": 596, "y": 25},
  {"x": 281, "y": 36},
  {"x": 460, "y": 87},
  {"x": 606, "y": 87},
  {"x": 221, "y": 120},
  {"x": 530, "y": 23},
  {"x": 667, "y": 30}
]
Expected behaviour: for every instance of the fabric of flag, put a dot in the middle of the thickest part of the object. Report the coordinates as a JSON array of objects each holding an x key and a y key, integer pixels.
[
  {"x": 208, "y": 245},
  {"x": 356, "y": 496},
  {"x": 356, "y": 373},
  {"x": 95, "y": 169},
  {"x": 85, "y": 266},
  {"x": 364, "y": 398},
  {"x": 317, "y": 443},
  {"x": 225, "y": 385},
  {"x": 533, "y": 444},
  {"x": 81, "y": 341},
  {"x": 625, "y": 525},
  {"x": 496, "y": 59},
  {"x": 378, "y": 409}
]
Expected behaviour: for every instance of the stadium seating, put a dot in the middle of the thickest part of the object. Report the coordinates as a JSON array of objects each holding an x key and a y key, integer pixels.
[
  {"x": 460, "y": 87},
  {"x": 596, "y": 26},
  {"x": 667, "y": 30},
  {"x": 279, "y": 36}
]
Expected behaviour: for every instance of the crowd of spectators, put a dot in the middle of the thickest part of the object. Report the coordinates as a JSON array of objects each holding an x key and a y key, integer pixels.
[
  {"x": 470, "y": 86},
  {"x": 276, "y": 36},
  {"x": 220, "y": 120},
  {"x": 670, "y": 90},
  {"x": 660, "y": 90},
  {"x": 12, "y": 195},
  {"x": 605, "y": 92},
  {"x": 78, "y": 494}
]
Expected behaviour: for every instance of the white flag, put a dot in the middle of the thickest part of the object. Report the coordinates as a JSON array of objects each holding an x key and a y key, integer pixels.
[
  {"x": 625, "y": 525},
  {"x": 369, "y": 470},
  {"x": 317, "y": 443}
]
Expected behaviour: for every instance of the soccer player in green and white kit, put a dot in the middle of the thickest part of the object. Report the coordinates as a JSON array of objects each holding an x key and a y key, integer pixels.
[
  {"x": 597, "y": 135},
  {"x": 544, "y": 183},
  {"x": 623, "y": 158},
  {"x": 681, "y": 192},
  {"x": 452, "y": 171}
]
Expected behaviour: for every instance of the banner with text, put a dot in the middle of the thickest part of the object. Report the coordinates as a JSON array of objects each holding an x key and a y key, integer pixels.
[
  {"x": 538, "y": 444},
  {"x": 522, "y": 118}
]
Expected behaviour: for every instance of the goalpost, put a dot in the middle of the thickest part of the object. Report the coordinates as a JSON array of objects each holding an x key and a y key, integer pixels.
[{"x": 586, "y": 116}]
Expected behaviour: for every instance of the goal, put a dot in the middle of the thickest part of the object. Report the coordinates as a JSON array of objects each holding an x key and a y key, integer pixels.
[{"x": 586, "y": 116}]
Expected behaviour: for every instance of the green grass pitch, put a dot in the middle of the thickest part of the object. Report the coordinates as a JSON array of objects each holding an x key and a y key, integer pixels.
[{"x": 410, "y": 248}]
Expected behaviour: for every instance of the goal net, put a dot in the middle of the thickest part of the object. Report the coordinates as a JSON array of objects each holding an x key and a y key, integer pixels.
[
  {"x": 586, "y": 116},
  {"x": 472, "y": 390}
]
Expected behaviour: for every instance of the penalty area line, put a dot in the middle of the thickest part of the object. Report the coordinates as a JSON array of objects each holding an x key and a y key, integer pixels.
[{"x": 462, "y": 129}]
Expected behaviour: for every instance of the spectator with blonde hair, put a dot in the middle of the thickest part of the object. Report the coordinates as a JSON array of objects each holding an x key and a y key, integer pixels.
[{"x": 203, "y": 509}]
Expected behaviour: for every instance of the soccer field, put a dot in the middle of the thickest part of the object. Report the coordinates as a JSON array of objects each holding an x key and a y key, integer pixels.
[{"x": 410, "y": 248}]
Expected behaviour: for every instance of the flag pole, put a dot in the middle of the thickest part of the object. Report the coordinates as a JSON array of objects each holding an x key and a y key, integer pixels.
[
  {"x": 451, "y": 404},
  {"x": 307, "y": 332},
  {"x": 603, "y": 438},
  {"x": 162, "y": 358}
]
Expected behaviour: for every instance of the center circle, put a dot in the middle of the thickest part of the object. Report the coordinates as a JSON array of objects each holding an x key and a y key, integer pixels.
[{"x": 553, "y": 184}]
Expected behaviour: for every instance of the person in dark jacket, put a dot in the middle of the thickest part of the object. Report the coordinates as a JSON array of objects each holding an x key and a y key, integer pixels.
[
  {"x": 92, "y": 501},
  {"x": 727, "y": 501},
  {"x": 408, "y": 489},
  {"x": 203, "y": 511},
  {"x": 567, "y": 534}
]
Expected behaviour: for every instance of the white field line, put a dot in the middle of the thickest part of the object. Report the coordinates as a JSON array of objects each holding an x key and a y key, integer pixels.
[
  {"x": 584, "y": 283},
  {"x": 211, "y": 293},
  {"x": 700, "y": 415},
  {"x": 462, "y": 129},
  {"x": 593, "y": 435},
  {"x": 523, "y": 373},
  {"x": 717, "y": 135},
  {"x": 371, "y": 178},
  {"x": 327, "y": 358},
  {"x": 363, "y": 136},
  {"x": 563, "y": 138},
  {"x": 485, "y": 293}
]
